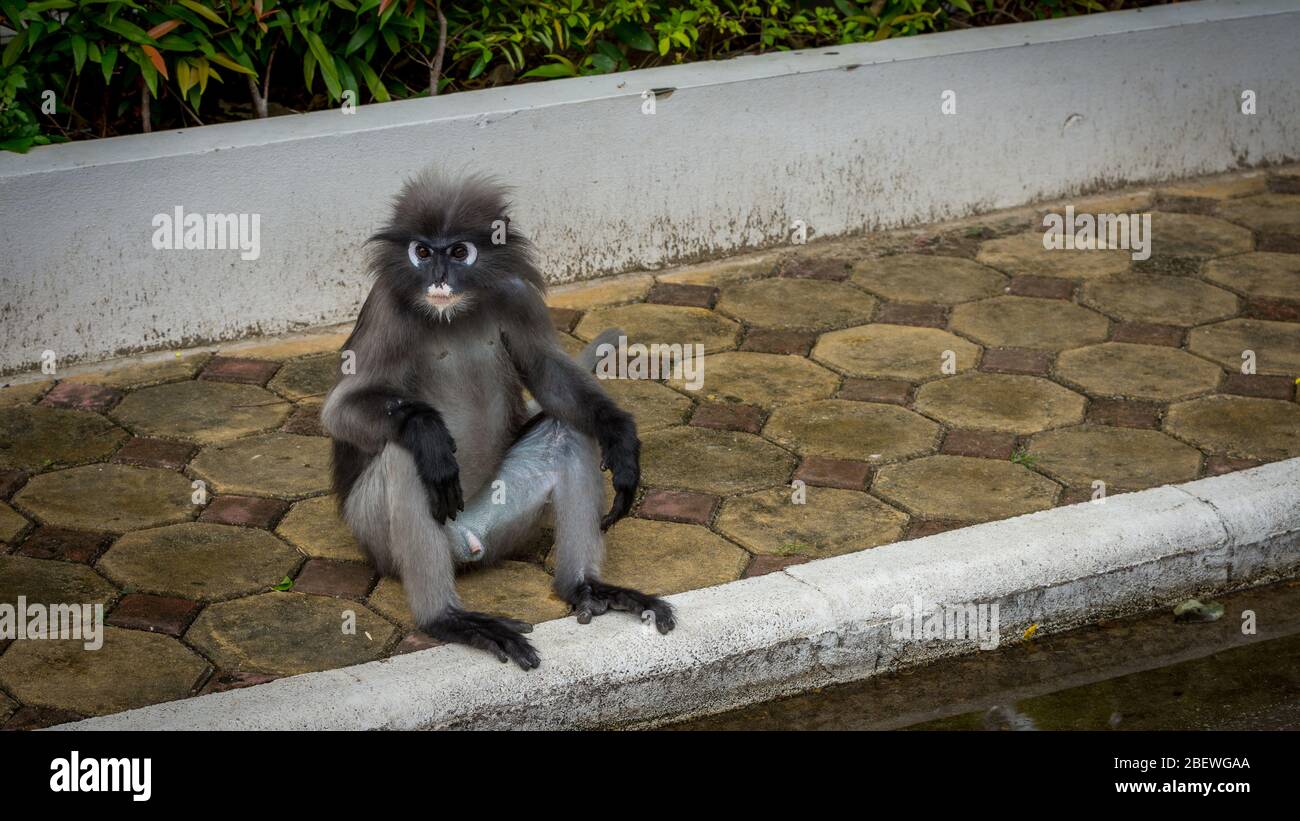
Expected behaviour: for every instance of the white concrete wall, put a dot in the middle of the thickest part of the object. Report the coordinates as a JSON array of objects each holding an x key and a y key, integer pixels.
[{"x": 848, "y": 138}]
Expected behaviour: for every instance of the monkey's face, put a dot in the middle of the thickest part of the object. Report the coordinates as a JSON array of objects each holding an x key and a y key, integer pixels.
[
  {"x": 443, "y": 270},
  {"x": 449, "y": 251}
]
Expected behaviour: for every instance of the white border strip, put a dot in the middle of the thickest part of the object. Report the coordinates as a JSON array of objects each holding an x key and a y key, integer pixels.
[{"x": 824, "y": 622}]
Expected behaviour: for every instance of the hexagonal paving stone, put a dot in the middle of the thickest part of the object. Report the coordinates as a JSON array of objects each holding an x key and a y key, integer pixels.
[
  {"x": 132, "y": 373},
  {"x": 46, "y": 581},
  {"x": 1123, "y": 458},
  {"x": 1025, "y": 254},
  {"x": 1137, "y": 371},
  {"x": 719, "y": 272},
  {"x": 663, "y": 558},
  {"x": 764, "y": 379},
  {"x": 652, "y": 405},
  {"x": 315, "y": 527},
  {"x": 893, "y": 351},
  {"x": 852, "y": 430},
  {"x": 712, "y": 461},
  {"x": 12, "y": 523},
  {"x": 1165, "y": 300},
  {"x": 7, "y": 708},
  {"x": 1276, "y": 344},
  {"x": 612, "y": 291},
  {"x": 995, "y": 401},
  {"x": 1024, "y": 322},
  {"x": 199, "y": 561},
  {"x": 313, "y": 376},
  {"x": 274, "y": 464},
  {"x": 132, "y": 669},
  {"x": 829, "y": 523},
  {"x": 1239, "y": 426},
  {"x": 926, "y": 278},
  {"x": 788, "y": 302},
  {"x": 663, "y": 324},
  {"x": 964, "y": 488},
  {"x": 284, "y": 634},
  {"x": 517, "y": 590},
  {"x": 112, "y": 498},
  {"x": 1226, "y": 187},
  {"x": 1192, "y": 235},
  {"x": 1275, "y": 213},
  {"x": 34, "y": 438},
  {"x": 26, "y": 393},
  {"x": 1265, "y": 275},
  {"x": 201, "y": 411},
  {"x": 287, "y": 347}
]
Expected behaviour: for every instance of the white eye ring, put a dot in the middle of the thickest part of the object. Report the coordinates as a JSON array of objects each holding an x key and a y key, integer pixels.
[
  {"x": 415, "y": 258},
  {"x": 471, "y": 253}
]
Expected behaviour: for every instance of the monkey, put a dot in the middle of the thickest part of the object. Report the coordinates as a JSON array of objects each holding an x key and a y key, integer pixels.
[{"x": 432, "y": 414}]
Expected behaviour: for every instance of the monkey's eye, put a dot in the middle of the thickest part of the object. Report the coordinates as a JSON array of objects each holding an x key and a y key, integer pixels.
[
  {"x": 463, "y": 252},
  {"x": 418, "y": 252}
]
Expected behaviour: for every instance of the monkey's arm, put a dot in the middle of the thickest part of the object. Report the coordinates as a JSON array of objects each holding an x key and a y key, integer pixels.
[
  {"x": 570, "y": 394},
  {"x": 369, "y": 417}
]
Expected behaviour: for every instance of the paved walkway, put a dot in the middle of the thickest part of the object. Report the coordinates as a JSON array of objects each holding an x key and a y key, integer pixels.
[{"x": 915, "y": 381}]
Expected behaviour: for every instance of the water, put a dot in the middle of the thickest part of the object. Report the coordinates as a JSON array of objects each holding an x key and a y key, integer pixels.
[{"x": 1142, "y": 673}]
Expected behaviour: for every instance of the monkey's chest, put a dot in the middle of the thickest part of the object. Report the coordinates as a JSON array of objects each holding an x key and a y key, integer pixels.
[{"x": 478, "y": 394}]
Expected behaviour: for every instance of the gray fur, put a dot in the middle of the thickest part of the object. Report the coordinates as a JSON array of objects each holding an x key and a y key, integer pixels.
[{"x": 460, "y": 372}]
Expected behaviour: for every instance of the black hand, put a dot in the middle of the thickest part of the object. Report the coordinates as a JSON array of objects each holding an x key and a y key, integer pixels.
[
  {"x": 499, "y": 636},
  {"x": 592, "y": 598},
  {"x": 423, "y": 433},
  {"x": 620, "y": 453},
  {"x": 625, "y": 470}
]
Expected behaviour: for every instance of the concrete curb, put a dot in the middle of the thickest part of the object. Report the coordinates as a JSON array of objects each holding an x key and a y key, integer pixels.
[
  {"x": 847, "y": 139},
  {"x": 820, "y": 623}
]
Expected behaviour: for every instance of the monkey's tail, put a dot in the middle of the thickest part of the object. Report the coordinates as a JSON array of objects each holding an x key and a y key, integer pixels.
[{"x": 590, "y": 354}]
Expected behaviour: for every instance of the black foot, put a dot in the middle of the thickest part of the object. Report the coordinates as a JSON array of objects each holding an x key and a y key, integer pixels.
[
  {"x": 499, "y": 636},
  {"x": 594, "y": 598}
]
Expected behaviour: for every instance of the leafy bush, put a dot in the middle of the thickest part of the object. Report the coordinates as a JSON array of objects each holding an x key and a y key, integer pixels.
[{"x": 122, "y": 66}]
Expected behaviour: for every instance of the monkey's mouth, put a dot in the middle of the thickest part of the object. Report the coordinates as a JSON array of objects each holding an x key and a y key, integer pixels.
[{"x": 441, "y": 297}]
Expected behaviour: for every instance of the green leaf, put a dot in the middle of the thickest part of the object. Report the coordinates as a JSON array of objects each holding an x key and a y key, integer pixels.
[
  {"x": 551, "y": 70},
  {"x": 634, "y": 36},
  {"x": 223, "y": 60},
  {"x": 49, "y": 5},
  {"x": 359, "y": 38},
  {"x": 309, "y": 69},
  {"x": 284, "y": 585},
  {"x": 78, "y": 52},
  {"x": 12, "y": 50},
  {"x": 376, "y": 86},
  {"x": 106, "y": 65},
  {"x": 128, "y": 30},
  {"x": 328, "y": 70},
  {"x": 199, "y": 8},
  {"x": 480, "y": 64}
]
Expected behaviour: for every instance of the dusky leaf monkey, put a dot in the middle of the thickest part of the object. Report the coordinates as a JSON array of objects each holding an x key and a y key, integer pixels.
[{"x": 453, "y": 330}]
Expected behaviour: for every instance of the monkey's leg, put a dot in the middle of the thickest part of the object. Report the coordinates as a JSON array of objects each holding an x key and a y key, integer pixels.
[
  {"x": 506, "y": 510},
  {"x": 578, "y": 501},
  {"x": 388, "y": 510}
]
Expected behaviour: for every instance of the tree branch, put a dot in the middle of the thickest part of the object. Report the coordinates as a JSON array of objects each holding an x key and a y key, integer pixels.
[{"x": 435, "y": 65}]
